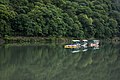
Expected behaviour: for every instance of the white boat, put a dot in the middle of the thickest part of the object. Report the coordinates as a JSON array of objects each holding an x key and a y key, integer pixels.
[
  {"x": 83, "y": 44},
  {"x": 94, "y": 43}
]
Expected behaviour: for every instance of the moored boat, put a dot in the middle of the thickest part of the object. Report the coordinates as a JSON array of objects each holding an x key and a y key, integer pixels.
[
  {"x": 94, "y": 43},
  {"x": 76, "y": 44},
  {"x": 83, "y": 44}
]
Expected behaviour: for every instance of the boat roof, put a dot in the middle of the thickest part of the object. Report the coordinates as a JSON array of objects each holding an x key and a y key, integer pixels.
[
  {"x": 84, "y": 40},
  {"x": 76, "y": 40},
  {"x": 96, "y": 40}
]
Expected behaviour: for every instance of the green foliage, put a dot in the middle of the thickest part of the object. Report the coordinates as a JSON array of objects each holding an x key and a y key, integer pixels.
[
  {"x": 100, "y": 29},
  {"x": 60, "y": 18},
  {"x": 6, "y": 15},
  {"x": 23, "y": 25}
]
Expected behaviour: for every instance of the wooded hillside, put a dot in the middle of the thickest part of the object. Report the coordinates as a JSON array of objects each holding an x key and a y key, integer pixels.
[{"x": 60, "y": 18}]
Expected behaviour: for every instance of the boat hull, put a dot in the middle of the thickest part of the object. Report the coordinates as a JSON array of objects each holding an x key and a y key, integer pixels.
[{"x": 71, "y": 46}]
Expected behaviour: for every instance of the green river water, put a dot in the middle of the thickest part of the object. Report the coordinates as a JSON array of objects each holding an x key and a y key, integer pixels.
[{"x": 50, "y": 61}]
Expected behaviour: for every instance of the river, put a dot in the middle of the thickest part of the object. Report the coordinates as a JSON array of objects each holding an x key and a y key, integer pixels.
[{"x": 50, "y": 61}]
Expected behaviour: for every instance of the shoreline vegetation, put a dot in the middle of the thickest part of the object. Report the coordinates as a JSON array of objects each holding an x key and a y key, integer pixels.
[{"x": 21, "y": 39}]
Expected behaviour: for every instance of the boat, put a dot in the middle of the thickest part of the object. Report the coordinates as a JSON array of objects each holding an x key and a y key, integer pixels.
[
  {"x": 94, "y": 43},
  {"x": 76, "y": 44},
  {"x": 83, "y": 44}
]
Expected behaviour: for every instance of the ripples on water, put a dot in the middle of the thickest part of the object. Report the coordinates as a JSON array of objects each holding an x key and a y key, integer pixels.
[{"x": 53, "y": 62}]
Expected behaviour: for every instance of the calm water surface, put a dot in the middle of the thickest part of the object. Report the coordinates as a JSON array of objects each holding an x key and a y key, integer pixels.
[{"x": 50, "y": 61}]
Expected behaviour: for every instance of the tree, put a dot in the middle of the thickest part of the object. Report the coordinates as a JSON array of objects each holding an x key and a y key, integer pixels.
[
  {"x": 24, "y": 26},
  {"x": 6, "y": 15}
]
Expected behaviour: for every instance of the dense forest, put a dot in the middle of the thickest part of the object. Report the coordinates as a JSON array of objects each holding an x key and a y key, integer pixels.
[{"x": 60, "y": 18}]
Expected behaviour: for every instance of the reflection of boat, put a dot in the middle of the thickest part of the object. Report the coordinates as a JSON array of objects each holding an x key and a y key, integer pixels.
[
  {"x": 84, "y": 50},
  {"x": 75, "y": 51}
]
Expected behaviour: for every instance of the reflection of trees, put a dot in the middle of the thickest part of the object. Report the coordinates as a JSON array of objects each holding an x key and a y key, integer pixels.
[{"x": 52, "y": 62}]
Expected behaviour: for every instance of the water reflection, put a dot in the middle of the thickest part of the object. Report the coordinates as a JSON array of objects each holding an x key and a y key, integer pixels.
[
  {"x": 53, "y": 62},
  {"x": 76, "y": 50},
  {"x": 83, "y": 49}
]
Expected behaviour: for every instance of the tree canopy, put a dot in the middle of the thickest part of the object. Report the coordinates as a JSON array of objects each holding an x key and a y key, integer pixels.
[{"x": 60, "y": 18}]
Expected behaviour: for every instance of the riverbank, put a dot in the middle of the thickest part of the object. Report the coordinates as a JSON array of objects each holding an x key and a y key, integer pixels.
[
  {"x": 20, "y": 39},
  {"x": 35, "y": 39}
]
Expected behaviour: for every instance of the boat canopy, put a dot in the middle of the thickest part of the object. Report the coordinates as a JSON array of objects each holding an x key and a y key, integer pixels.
[
  {"x": 84, "y": 40},
  {"x": 96, "y": 40},
  {"x": 76, "y": 40}
]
